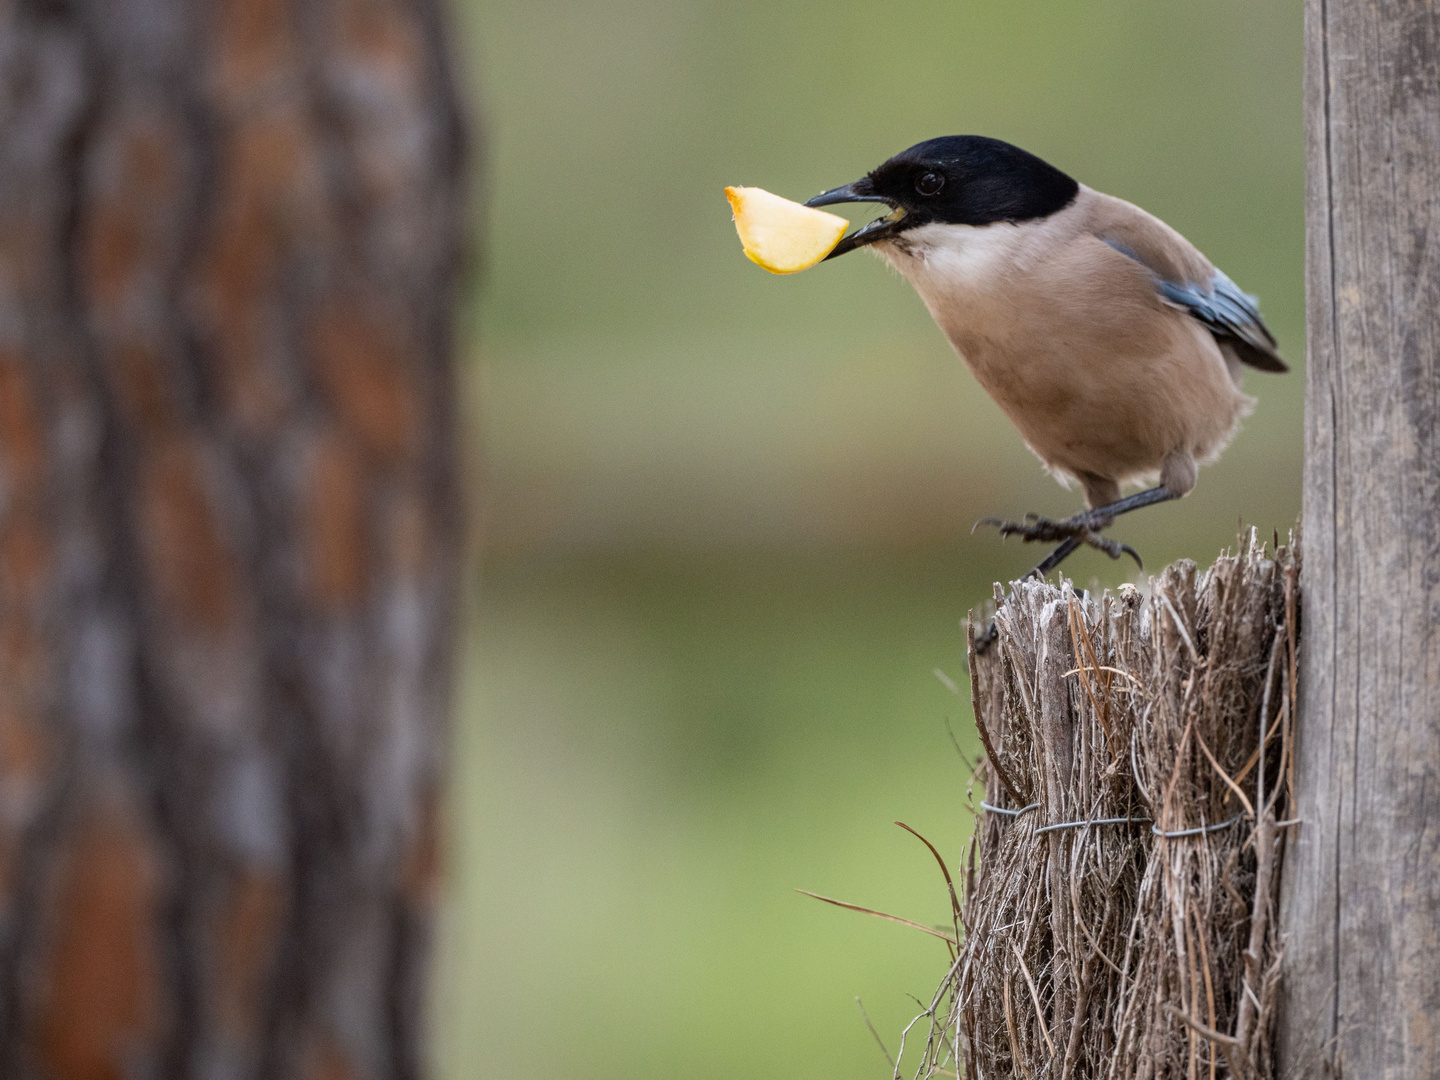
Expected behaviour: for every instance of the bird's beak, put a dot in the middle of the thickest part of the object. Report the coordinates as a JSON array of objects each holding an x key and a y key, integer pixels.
[{"x": 879, "y": 229}]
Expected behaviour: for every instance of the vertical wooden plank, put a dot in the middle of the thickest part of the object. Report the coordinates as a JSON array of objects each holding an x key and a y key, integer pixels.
[{"x": 1362, "y": 878}]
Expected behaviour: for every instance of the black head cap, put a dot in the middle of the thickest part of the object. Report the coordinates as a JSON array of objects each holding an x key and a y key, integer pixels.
[
  {"x": 972, "y": 180},
  {"x": 957, "y": 180}
]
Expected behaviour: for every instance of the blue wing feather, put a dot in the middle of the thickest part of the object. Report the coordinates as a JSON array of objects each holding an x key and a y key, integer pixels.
[{"x": 1229, "y": 313}]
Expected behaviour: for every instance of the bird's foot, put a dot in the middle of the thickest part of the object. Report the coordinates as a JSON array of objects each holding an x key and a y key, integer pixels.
[
  {"x": 1082, "y": 528},
  {"x": 986, "y": 638}
]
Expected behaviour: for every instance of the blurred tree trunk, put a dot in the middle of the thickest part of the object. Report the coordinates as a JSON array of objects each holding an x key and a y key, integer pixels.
[{"x": 228, "y": 532}]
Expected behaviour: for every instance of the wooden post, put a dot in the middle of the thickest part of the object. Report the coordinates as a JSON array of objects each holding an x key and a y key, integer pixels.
[{"x": 1361, "y": 903}]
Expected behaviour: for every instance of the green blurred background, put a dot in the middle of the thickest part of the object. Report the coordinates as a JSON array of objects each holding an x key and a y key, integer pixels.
[{"x": 725, "y": 516}]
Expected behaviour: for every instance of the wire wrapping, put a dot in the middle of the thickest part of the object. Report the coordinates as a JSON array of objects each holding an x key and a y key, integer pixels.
[{"x": 1198, "y": 831}]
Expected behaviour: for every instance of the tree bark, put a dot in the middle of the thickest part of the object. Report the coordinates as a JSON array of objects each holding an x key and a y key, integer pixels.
[
  {"x": 229, "y": 532},
  {"x": 1362, "y": 880}
]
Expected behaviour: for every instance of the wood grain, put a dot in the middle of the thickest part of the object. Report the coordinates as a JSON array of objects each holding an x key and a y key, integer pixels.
[{"x": 1362, "y": 879}]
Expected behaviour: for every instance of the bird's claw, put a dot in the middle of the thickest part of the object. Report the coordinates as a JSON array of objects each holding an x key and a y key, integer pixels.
[
  {"x": 1081, "y": 527},
  {"x": 1008, "y": 527},
  {"x": 1113, "y": 548},
  {"x": 986, "y": 638}
]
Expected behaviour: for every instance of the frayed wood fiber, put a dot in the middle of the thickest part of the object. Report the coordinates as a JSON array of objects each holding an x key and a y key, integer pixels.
[{"x": 1121, "y": 885}]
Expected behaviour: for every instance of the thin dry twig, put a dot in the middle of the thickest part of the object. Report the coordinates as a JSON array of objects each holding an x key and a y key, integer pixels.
[
  {"x": 1231, "y": 784},
  {"x": 1079, "y": 637},
  {"x": 939, "y": 861},
  {"x": 1035, "y": 997},
  {"x": 881, "y": 915},
  {"x": 980, "y": 724},
  {"x": 878, "y": 1041}
]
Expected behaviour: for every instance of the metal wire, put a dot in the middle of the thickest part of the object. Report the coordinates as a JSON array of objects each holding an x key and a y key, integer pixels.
[
  {"x": 1009, "y": 813},
  {"x": 1113, "y": 821},
  {"x": 1095, "y": 821},
  {"x": 1196, "y": 832}
]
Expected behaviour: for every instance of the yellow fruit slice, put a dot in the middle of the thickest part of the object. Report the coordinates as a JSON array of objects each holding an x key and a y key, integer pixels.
[{"x": 783, "y": 236}]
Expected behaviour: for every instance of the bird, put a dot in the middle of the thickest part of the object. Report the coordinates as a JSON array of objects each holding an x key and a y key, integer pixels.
[{"x": 1107, "y": 338}]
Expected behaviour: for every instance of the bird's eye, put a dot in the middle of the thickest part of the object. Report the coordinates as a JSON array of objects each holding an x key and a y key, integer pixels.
[{"x": 929, "y": 183}]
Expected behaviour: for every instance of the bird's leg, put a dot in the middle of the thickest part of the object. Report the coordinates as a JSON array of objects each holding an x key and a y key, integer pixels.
[
  {"x": 1075, "y": 531},
  {"x": 988, "y": 636},
  {"x": 1083, "y": 528},
  {"x": 1055, "y": 558}
]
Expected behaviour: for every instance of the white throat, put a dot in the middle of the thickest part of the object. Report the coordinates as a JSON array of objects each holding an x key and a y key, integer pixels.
[
  {"x": 954, "y": 267},
  {"x": 961, "y": 256}
]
